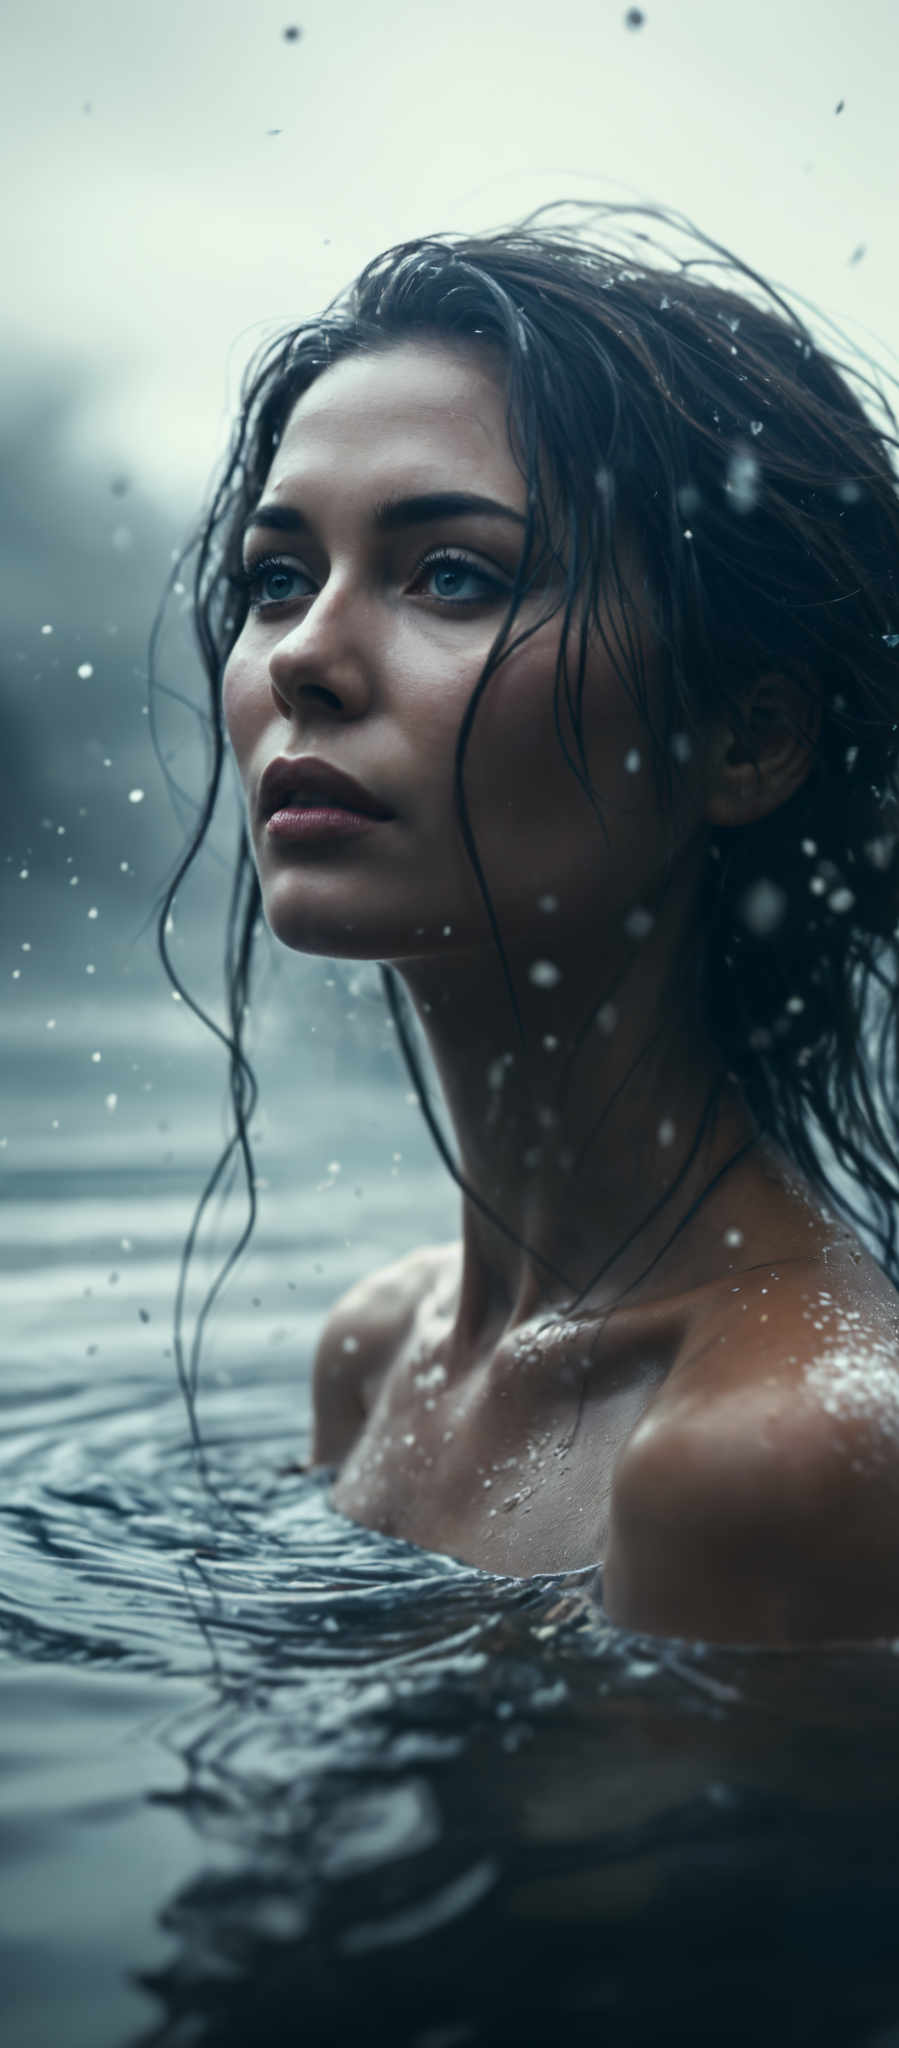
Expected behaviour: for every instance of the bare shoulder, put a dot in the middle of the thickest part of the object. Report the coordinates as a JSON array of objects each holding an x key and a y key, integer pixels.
[
  {"x": 758, "y": 1497},
  {"x": 361, "y": 1339}
]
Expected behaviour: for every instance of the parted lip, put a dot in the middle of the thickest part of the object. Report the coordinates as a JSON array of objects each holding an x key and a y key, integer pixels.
[{"x": 308, "y": 782}]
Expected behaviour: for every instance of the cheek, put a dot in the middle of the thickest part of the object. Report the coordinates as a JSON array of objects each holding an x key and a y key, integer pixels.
[{"x": 245, "y": 702}]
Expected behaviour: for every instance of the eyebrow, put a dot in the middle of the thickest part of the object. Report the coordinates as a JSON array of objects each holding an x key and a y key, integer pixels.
[{"x": 393, "y": 514}]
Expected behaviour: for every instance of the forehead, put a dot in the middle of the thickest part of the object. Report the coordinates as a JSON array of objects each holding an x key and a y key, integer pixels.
[{"x": 420, "y": 410}]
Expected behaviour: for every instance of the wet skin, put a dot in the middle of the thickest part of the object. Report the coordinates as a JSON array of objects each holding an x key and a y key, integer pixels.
[{"x": 695, "y": 1422}]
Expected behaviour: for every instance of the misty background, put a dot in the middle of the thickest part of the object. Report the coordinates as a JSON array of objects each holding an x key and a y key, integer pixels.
[{"x": 180, "y": 183}]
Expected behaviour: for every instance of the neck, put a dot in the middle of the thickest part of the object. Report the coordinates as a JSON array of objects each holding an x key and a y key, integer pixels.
[{"x": 586, "y": 1128}]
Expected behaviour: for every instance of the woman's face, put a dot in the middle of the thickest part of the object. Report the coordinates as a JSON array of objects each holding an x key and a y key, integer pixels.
[{"x": 381, "y": 560}]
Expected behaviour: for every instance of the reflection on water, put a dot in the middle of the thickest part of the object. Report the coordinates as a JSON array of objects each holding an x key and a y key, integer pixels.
[{"x": 273, "y": 1776}]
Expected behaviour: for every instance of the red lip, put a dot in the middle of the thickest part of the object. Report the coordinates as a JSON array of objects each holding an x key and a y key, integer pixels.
[{"x": 310, "y": 784}]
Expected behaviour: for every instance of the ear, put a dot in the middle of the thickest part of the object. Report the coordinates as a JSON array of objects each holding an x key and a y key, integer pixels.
[{"x": 752, "y": 773}]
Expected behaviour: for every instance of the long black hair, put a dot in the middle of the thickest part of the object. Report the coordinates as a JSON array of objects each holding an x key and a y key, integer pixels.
[{"x": 683, "y": 399}]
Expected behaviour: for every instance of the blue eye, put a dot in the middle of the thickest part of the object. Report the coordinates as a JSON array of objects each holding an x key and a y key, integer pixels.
[
  {"x": 274, "y": 581},
  {"x": 457, "y": 580}
]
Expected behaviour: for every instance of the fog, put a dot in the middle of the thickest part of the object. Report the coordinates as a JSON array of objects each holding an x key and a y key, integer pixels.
[{"x": 181, "y": 183}]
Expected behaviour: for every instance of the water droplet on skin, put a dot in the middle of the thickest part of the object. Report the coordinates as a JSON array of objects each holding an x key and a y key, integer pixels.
[
  {"x": 350, "y": 1344},
  {"x": 409, "y": 1441},
  {"x": 544, "y": 974},
  {"x": 85, "y": 670}
]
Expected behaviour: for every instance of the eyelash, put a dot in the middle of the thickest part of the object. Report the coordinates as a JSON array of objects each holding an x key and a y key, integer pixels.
[{"x": 247, "y": 580}]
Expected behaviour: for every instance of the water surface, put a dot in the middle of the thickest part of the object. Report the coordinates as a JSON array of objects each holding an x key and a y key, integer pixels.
[{"x": 270, "y": 1776}]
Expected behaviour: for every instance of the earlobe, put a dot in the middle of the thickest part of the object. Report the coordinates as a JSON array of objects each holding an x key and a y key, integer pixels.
[{"x": 753, "y": 771}]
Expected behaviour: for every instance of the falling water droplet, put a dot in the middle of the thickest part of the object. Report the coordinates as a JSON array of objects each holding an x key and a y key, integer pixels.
[{"x": 544, "y": 974}]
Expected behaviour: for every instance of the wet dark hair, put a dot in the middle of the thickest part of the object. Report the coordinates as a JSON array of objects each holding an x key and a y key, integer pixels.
[{"x": 682, "y": 400}]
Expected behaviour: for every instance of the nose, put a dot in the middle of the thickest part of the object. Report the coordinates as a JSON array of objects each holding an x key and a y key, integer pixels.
[{"x": 323, "y": 661}]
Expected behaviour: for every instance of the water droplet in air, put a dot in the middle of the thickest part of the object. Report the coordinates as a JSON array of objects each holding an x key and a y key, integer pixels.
[
  {"x": 879, "y": 851},
  {"x": 890, "y": 639},
  {"x": 111, "y": 1101},
  {"x": 544, "y": 974},
  {"x": 46, "y": 629},
  {"x": 96, "y": 1058},
  {"x": 734, "y": 1238},
  {"x": 135, "y": 796},
  {"x": 681, "y": 746},
  {"x": 634, "y": 17},
  {"x": 548, "y": 903},
  {"x": 292, "y": 34},
  {"x": 93, "y": 912},
  {"x": 639, "y": 922},
  {"x": 666, "y": 1132},
  {"x": 86, "y": 670},
  {"x": 350, "y": 1344},
  {"x": 763, "y": 908},
  {"x": 755, "y": 426},
  {"x": 809, "y": 847},
  {"x": 632, "y": 761},
  {"x": 840, "y": 901},
  {"x": 743, "y": 481}
]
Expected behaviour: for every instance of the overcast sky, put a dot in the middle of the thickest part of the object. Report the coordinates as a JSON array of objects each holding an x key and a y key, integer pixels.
[{"x": 180, "y": 179}]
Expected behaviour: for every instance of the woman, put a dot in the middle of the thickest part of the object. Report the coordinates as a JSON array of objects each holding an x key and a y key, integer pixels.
[{"x": 551, "y": 603}]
